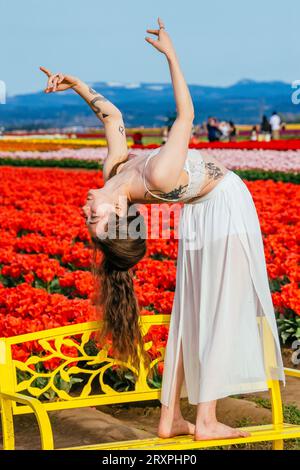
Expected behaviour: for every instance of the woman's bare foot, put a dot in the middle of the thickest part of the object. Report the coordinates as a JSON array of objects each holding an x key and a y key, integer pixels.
[
  {"x": 217, "y": 430},
  {"x": 179, "y": 427}
]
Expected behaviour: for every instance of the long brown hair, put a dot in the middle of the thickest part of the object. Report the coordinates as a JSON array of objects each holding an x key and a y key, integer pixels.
[{"x": 114, "y": 295}]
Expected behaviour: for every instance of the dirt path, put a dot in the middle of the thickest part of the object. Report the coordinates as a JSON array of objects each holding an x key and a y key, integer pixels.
[{"x": 75, "y": 427}]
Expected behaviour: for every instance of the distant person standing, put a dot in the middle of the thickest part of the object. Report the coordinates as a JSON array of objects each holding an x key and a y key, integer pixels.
[
  {"x": 225, "y": 130},
  {"x": 254, "y": 134},
  {"x": 194, "y": 137},
  {"x": 198, "y": 130},
  {"x": 137, "y": 138},
  {"x": 213, "y": 132},
  {"x": 232, "y": 131},
  {"x": 164, "y": 135},
  {"x": 275, "y": 123},
  {"x": 170, "y": 120},
  {"x": 265, "y": 129}
]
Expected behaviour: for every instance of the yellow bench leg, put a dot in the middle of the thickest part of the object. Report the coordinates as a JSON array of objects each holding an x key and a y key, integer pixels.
[
  {"x": 277, "y": 413},
  {"x": 40, "y": 414},
  {"x": 277, "y": 445},
  {"x": 7, "y": 425}
]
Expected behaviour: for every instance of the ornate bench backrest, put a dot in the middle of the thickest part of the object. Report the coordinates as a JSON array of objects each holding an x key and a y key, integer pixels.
[{"x": 65, "y": 364}]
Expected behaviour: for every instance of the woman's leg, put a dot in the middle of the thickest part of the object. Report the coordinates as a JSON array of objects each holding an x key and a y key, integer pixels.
[
  {"x": 171, "y": 421},
  {"x": 208, "y": 427}
]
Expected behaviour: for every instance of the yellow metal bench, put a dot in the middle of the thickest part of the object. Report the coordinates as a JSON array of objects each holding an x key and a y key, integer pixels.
[{"x": 71, "y": 348}]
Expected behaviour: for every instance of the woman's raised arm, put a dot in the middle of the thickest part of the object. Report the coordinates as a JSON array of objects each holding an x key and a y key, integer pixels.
[
  {"x": 107, "y": 112},
  {"x": 164, "y": 168}
]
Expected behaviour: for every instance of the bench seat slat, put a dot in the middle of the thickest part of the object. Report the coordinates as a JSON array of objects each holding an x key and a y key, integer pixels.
[{"x": 260, "y": 433}]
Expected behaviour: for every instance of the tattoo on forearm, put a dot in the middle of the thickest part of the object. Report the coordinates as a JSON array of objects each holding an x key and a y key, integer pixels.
[{"x": 121, "y": 129}]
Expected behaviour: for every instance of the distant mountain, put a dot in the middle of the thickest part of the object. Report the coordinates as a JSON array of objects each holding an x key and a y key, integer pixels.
[{"x": 150, "y": 104}]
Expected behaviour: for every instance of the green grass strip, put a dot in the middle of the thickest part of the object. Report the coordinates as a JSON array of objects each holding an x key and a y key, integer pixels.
[
  {"x": 251, "y": 175},
  {"x": 39, "y": 162}
]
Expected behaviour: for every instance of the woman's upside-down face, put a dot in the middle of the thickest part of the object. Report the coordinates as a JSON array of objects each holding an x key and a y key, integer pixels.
[{"x": 99, "y": 209}]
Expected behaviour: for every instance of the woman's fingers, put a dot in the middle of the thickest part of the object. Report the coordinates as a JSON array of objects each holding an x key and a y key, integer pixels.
[
  {"x": 46, "y": 71},
  {"x": 55, "y": 82},
  {"x": 50, "y": 78},
  {"x": 151, "y": 41},
  {"x": 160, "y": 23},
  {"x": 49, "y": 87},
  {"x": 50, "y": 83},
  {"x": 153, "y": 31},
  {"x": 60, "y": 77}
]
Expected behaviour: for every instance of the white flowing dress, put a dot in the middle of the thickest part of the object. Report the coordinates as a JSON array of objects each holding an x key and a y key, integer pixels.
[{"x": 222, "y": 310}]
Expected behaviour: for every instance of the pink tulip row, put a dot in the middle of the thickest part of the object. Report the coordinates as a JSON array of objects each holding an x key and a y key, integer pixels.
[
  {"x": 78, "y": 154},
  {"x": 269, "y": 160}
]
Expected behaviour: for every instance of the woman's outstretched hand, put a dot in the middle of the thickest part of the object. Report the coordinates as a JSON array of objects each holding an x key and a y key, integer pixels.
[
  {"x": 58, "y": 81},
  {"x": 163, "y": 42}
]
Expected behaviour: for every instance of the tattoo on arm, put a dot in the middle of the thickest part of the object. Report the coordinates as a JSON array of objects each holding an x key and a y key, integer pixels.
[
  {"x": 176, "y": 193},
  {"x": 98, "y": 98},
  {"x": 94, "y": 92},
  {"x": 213, "y": 170},
  {"x": 121, "y": 129},
  {"x": 95, "y": 108}
]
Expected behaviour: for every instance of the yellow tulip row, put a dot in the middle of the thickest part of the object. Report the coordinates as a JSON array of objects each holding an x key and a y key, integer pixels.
[{"x": 59, "y": 141}]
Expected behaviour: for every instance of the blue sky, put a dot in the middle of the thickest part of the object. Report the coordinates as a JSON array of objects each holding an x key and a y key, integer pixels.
[{"x": 218, "y": 42}]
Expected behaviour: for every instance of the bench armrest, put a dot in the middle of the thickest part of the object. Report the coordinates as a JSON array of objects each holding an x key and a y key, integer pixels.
[
  {"x": 292, "y": 372},
  {"x": 40, "y": 414}
]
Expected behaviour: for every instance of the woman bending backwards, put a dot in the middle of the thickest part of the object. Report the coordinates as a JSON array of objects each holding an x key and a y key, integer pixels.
[{"x": 222, "y": 289}]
